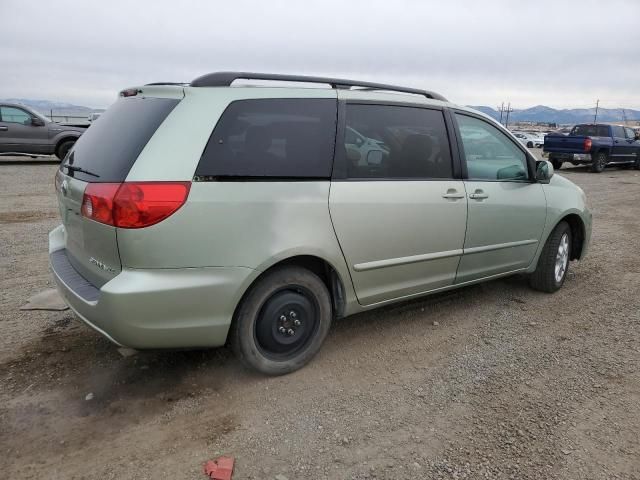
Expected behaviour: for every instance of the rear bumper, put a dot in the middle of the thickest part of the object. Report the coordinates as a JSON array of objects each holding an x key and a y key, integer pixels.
[
  {"x": 571, "y": 157},
  {"x": 154, "y": 308}
]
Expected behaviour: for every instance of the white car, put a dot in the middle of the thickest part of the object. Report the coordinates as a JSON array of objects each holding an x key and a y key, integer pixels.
[
  {"x": 530, "y": 140},
  {"x": 93, "y": 116},
  {"x": 364, "y": 150}
]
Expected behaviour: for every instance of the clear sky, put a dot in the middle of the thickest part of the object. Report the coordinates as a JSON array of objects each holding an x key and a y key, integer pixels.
[{"x": 475, "y": 52}]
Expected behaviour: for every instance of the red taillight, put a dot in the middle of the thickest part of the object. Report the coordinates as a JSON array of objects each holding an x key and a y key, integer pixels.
[
  {"x": 133, "y": 204},
  {"x": 97, "y": 202},
  {"x": 587, "y": 144}
]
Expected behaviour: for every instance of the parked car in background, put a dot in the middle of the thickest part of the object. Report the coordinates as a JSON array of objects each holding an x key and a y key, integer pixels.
[
  {"x": 363, "y": 149},
  {"x": 529, "y": 140},
  {"x": 236, "y": 213},
  {"x": 93, "y": 116},
  {"x": 23, "y": 130},
  {"x": 592, "y": 144}
]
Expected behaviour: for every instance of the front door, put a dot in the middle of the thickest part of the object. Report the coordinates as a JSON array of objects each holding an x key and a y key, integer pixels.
[
  {"x": 18, "y": 134},
  {"x": 507, "y": 211},
  {"x": 398, "y": 213},
  {"x": 620, "y": 150},
  {"x": 633, "y": 145}
]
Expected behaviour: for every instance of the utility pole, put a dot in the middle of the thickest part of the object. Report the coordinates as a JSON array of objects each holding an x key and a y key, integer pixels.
[
  {"x": 509, "y": 110},
  {"x": 595, "y": 118},
  {"x": 501, "y": 110},
  {"x": 624, "y": 117}
]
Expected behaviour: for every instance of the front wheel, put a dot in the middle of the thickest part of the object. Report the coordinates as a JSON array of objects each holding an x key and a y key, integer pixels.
[
  {"x": 283, "y": 321},
  {"x": 529, "y": 144},
  {"x": 637, "y": 163},
  {"x": 553, "y": 263},
  {"x": 64, "y": 148},
  {"x": 599, "y": 162}
]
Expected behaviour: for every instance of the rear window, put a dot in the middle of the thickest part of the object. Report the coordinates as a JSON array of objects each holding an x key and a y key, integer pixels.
[
  {"x": 591, "y": 130},
  {"x": 109, "y": 148},
  {"x": 280, "y": 138}
]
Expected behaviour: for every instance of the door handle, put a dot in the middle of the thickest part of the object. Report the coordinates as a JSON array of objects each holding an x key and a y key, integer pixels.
[
  {"x": 453, "y": 194},
  {"x": 3, "y": 128},
  {"x": 478, "y": 195}
]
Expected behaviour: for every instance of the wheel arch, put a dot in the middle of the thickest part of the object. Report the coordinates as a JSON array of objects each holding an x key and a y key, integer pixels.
[
  {"x": 63, "y": 139},
  {"x": 578, "y": 233},
  {"x": 323, "y": 268}
]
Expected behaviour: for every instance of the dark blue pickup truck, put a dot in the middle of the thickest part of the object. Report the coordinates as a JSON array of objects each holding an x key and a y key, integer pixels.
[{"x": 594, "y": 144}]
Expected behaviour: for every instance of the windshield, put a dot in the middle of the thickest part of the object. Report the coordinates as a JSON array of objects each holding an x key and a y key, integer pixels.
[{"x": 40, "y": 115}]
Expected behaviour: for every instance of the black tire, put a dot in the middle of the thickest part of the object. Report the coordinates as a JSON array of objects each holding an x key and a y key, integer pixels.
[
  {"x": 599, "y": 162},
  {"x": 545, "y": 277},
  {"x": 637, "y": 163},
  {"x": 64, "y": 148},
  {"x": 292, "y": 298},
  {"x": 557, "y": 164},
  {"x": 529, "y": 144}
]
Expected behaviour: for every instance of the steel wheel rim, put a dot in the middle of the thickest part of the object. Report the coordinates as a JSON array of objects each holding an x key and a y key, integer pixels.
[
  {"x": 287, "y": 323},
  {"x": 562, "y": 258}
]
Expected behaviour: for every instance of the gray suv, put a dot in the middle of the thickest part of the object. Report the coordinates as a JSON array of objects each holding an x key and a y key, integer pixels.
[
  {"x": 23, "y": 130},
  {"x": 204, "y": 213}
]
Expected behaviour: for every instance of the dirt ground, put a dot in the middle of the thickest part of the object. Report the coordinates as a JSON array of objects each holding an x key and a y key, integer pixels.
[{"x": 491, "y": 381}]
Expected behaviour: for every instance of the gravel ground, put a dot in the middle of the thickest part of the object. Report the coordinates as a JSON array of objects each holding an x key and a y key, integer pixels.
[{"x": 491, "y": 381}]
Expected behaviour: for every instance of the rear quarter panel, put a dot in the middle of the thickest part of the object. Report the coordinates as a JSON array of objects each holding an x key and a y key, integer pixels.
[{"x": 240, "y": 224}]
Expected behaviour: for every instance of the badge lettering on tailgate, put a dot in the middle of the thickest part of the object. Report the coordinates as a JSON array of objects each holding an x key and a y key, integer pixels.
[{"x": 101, "y": 265}]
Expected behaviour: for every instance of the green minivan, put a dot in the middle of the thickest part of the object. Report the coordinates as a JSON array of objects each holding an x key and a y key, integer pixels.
[{"x": 256, "y": 208}]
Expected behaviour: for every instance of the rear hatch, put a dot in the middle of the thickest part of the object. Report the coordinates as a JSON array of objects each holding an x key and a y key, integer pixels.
[
  {"x": 564, "y": 144},
  {"x": 104, "y": 154}
]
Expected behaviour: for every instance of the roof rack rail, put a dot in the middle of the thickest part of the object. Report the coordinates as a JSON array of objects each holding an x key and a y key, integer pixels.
[
  {"x": 179, "y": 84},
  {"x": 225, "y": 79}
]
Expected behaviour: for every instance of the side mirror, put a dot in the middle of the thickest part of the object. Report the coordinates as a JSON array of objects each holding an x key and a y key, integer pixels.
[
  {"x": 374, "y": 157},
  {"x": 544, "y": 171},
  {"x": 37, "y": 122}
]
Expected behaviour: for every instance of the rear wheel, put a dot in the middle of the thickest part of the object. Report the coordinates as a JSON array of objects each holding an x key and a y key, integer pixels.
[
  {"x": 529, "y": 144},
  {"x": 553, "y": 263},
  {"x": 283, "y": 321},
  {"x": 64, "y": 148},
  {"x": 557, "y": 164},
  {"x": 599, "y": 162}
]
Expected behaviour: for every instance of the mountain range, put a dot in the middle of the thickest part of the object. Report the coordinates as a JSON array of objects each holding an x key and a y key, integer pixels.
[
  {"x": 541, "y": 113},
  {"x": 59, "y": 108}
]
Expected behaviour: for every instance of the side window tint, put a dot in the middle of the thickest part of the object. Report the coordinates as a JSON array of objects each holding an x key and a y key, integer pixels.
[
  {"x": 618, "y": 131},
  {"x": 603, "y": 131},
  {"x": 383, "y": 141},
  {"x": 630, "y": 133},
  {"x": 272, "y": 138},
  {"x": 489, "y": 153},
  {"x": 15, "y": 115}
]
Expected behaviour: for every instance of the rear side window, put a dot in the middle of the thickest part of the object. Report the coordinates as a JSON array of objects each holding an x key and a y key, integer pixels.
[
  {"x": 591, "y": 130},
  {"x": 279, "y": 138},
  {"x": 109, "y": 148},
  {"x": 384, "y": 141}
]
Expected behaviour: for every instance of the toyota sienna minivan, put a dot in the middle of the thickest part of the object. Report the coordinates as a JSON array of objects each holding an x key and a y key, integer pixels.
[{"x": 255, "y": 213}]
